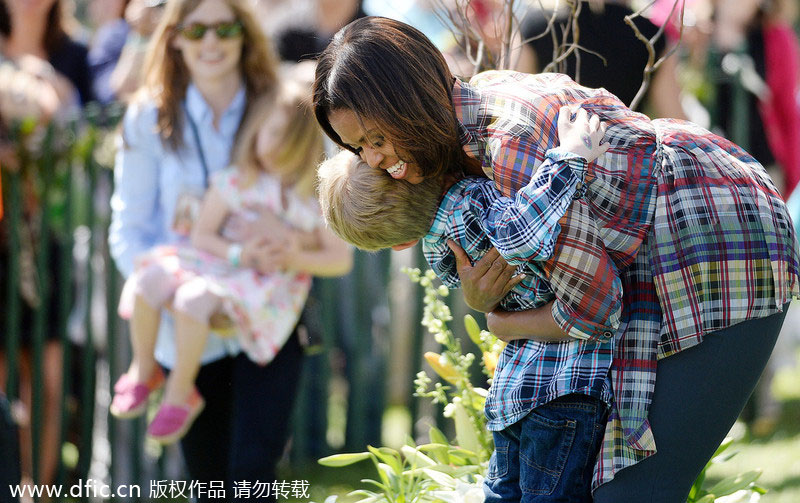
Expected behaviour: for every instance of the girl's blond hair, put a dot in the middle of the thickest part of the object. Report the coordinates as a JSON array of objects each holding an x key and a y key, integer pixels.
[
  {"x": 166, "y": 75},
  {"x": 299, "y": 144}
]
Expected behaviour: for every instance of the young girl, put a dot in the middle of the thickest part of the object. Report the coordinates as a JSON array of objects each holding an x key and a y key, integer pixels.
[{"x": 261, "y": 291}]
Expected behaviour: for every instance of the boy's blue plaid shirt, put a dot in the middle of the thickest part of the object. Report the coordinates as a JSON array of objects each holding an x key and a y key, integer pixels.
[{"x": 475, "y": 215}]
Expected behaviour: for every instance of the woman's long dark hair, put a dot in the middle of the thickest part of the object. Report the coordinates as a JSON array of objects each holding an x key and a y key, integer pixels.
[
  {"x": 54, "y": 32},
  {"x": 388, "y": 72}
]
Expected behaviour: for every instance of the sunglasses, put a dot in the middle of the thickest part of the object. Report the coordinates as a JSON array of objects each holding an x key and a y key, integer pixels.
[{"x": 224, "y": 30}]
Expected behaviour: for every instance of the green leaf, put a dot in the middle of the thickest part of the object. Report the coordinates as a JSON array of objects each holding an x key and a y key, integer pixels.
[
  {"x": 375, "y": 483},
  {"x": 416, "y": 458},
  {"x": 708, "y": 498},
  {"x": 388, "y": 456},
  {"x": 388, "y": 475},
  {"x": 461, "y": 471},
  {"x": 473, "y": 330},
  {"x": 463, "y": 456},
  {"x": 338, "y": 460},
  {"x": 440, "y": 478},
  {"x": 446, "y": 469},
  {"x": 439, "y": 452},
  {"x": 730, "y": 485},
  {"x": 437, "y": 437},
  {"x": 727, "y": 442},
  {"x": 466, "y": 434}
]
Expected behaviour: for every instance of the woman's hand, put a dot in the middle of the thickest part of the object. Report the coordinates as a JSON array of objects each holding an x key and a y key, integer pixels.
[
  {"x": 579, "y": 134},
  {"x": 487, "y": 281}
]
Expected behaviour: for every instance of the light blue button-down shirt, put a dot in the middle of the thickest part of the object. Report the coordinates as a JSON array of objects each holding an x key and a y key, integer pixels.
[{"x": 149, "y": 177}]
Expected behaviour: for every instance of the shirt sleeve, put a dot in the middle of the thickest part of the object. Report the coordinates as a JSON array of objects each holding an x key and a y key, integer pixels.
[
  {"x": 442, "y": 261},
  {"x": 584, "y": 279},
  {"x": 135, "y": 211},
  {"x": 580, "y": 272},
  {"x": 524, "y": 228}
]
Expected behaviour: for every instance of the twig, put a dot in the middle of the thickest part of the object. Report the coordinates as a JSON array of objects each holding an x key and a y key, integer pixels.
[{"x": 653, "y": 65}]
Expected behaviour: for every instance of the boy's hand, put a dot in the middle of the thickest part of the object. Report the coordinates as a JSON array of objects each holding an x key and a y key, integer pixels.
[{"x": 580, "y": 134}]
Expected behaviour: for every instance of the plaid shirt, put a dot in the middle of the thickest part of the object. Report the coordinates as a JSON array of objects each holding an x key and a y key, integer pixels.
[
  {"x": 523, "y": 229},
  {"x": 689, "y": 222}
]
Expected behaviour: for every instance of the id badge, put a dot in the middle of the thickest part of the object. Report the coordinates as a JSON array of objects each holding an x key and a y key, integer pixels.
[{"x": 187, "y": 209}]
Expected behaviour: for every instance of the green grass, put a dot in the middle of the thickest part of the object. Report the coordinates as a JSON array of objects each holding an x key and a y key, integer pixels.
[{"x": 778, "y": 456}]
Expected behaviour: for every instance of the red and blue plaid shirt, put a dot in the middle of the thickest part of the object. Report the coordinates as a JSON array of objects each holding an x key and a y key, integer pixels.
[
  {"x": 690, "y": 223},
  {"x": 523, "y": 229}
]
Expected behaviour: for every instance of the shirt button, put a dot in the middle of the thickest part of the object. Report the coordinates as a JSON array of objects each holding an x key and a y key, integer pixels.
[{"x": 608, "y": 333}]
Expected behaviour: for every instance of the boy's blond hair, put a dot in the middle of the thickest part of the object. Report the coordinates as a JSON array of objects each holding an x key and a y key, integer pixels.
[{"x": 366, "y": 207}]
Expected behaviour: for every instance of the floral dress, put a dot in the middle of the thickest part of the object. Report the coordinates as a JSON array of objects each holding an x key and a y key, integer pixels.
[{"x": 263, "y": 308}]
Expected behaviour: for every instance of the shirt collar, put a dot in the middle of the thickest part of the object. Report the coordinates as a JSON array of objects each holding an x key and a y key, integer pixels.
[
  {"x": 447, "y": 207},
  {"x": 200, "y": 112},
  {"x": 466, "y": 103}
]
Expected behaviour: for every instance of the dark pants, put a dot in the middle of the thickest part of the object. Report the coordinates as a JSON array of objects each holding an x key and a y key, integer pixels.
[
  {"x": 242, "y": 431},
  {"x": 263, "y": 401},
  {"x": 698, "y": 396},
  {"x": 548, "y": 456}
]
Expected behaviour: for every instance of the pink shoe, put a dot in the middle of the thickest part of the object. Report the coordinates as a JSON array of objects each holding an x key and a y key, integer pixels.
[
  {"x": 130, "y": 397},
  {"x": 173, "y": 421}
]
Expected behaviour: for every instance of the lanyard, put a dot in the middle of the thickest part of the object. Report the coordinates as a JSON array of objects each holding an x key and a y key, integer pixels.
[{"x": 199, "y": 146}]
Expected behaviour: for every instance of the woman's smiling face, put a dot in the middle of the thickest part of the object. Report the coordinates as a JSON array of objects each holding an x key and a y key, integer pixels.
[
  {"x": 365, "y": 138},
  {"x": 210, "y": 57}
]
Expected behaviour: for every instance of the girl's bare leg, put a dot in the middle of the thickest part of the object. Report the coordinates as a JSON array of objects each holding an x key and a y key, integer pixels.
[
  {"x": 50, "y": 451},
  {"x": 145, "y": 321},
  {"x": 190, "y": 341},
  {"x": 191, "y": 334}
]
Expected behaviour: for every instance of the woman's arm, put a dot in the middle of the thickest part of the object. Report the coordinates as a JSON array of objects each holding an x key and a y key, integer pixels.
[
  {"x": 136, "y": 211},
  {"x": 511, "y": 325}
]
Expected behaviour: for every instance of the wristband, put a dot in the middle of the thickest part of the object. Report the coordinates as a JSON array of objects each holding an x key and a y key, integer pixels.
[{"x": 235, "y": 254}]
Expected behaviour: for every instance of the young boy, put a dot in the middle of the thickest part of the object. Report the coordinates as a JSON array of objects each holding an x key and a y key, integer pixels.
[{"x": 548, "y": 400}]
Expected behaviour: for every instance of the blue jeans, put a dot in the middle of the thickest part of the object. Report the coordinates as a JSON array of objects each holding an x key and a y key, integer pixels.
[{"x": 548, "y": 456}]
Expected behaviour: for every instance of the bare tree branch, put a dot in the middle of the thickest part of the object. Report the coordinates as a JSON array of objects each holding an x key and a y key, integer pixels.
[
  {"x": 653, "y": 65},
  {"x": 493, "y": 48}
]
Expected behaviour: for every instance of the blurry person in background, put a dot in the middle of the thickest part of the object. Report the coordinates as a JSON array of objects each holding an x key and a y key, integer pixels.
[
  {"x": 108, "y": 16},
  {"x": 307, "y": 41},
  {"x": 50, "y": 77},
  {"x": 610, "y": 55},
  {"x": 762, "y": 31},
  {"x": 142, "y": 16},
  {"x": 36, "y": 28}
]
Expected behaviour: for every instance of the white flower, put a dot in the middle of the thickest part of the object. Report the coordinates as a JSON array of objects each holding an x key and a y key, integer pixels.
[
  {"x": 742, "y": 496},
  {"x": 463, "y": 493}
]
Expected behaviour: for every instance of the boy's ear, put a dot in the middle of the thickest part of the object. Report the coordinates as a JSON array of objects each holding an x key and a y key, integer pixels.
[{"x": 407, "y": 244}]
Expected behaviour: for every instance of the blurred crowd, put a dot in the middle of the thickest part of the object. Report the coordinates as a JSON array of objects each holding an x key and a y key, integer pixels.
[
  {"x": 59, "y": 55},
  {"x": 729, "y": 62}
]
